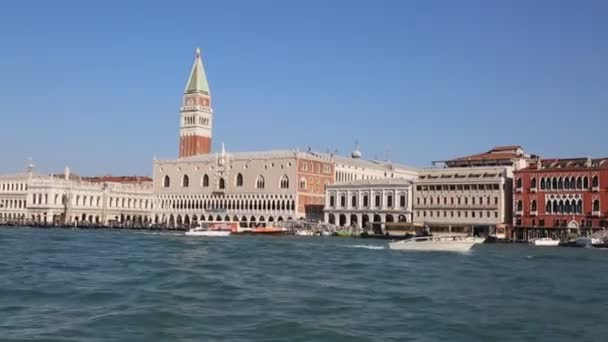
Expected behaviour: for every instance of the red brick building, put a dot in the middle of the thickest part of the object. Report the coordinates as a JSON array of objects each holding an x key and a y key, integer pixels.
[{"x": 555, "y": 197}]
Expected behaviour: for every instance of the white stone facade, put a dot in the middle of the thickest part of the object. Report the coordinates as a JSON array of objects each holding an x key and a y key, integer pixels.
[
  {"x": 463, "y": 197},
  {"x": 365, "y": 203},
  {"x": 32, "y": 198},
  {"x": 249, "y": 187}
]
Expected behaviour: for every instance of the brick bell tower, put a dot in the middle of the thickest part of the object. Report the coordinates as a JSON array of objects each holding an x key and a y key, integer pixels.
[{"x": 196, "y": 114}]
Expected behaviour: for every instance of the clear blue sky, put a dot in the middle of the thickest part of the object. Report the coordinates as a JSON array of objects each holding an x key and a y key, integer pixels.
[{"x": 97, "y": 85}]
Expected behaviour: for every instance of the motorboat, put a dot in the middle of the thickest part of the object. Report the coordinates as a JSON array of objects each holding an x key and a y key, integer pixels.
[
  {"x": 544, "y": 242},
  {"x": 214, "y": 229},
  {"x": 304, "y": 232},
  {"x": 200, "y": 231},
  {"x": 269, "y": 230},
  {"x": 437, "y": 243}
]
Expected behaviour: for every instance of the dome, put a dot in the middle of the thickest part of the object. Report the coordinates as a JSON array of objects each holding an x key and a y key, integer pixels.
[{"x": 356, "y": 154}]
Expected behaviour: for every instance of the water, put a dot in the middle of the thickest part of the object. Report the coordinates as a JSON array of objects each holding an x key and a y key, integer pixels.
[{"x": 83, "y": 285}]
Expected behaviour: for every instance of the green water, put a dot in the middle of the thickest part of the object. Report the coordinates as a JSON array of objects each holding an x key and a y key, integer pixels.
[{"x": 84, "y": 285}]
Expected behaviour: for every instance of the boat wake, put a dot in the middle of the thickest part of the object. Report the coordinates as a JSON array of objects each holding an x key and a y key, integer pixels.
[{"x": 365, "y": 246}]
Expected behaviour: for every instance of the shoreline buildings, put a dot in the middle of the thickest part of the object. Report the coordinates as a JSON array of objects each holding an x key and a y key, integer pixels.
[
  {"x": 503, "y": 187},
  {"x": 556, "y": 197}
]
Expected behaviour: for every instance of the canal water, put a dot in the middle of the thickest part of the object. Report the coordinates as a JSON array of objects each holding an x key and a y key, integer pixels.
[{"x": 86, "y": 285}]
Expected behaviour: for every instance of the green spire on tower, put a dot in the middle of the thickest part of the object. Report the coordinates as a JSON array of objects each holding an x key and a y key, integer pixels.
[{"x": 197, "y": 83}]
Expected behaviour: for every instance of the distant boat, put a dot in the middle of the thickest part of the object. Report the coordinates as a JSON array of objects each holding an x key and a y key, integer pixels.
[
  {"x": 544, "y": 242},
  {"x": 199, "y": 231},
  {"x": 437, "y": 243},
  {"x": 305, "y": 232}
]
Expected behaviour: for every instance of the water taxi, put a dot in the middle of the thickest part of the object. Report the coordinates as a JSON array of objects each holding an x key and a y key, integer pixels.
[
  {"x": 437, "y": 243},
  {"x": 544, "y": 242}
]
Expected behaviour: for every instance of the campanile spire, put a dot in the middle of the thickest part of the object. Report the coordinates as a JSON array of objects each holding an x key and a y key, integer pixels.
[{"x": 196, "y": 114}]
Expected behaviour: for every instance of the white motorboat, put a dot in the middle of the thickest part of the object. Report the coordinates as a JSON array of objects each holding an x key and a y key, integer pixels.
[
  {"x": 544, "y": 242},
  {"x": 437, "y": 243},
  {"x": 199, "y": 231},
  {"x": 304, "y": 232}
]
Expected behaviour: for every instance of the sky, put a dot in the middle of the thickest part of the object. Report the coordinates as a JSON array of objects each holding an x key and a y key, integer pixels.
[{"x": 97, "y": 85}]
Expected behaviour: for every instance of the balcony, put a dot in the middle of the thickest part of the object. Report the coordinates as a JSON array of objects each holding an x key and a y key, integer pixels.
[
  {"x": 596, "y": 213},
  {"x": 534, "y": 213},
  {"x": 518, "y": 189},
  {"x": 595, "y": 188},
  {"x": 533, "y": 190},
  {"x": 519, "y": 212}
]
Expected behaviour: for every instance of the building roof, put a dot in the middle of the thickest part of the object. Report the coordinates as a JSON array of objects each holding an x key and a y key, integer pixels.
[
  {"x": 496, "y": 153},
  {"x": 118, "y": 179},
  {"x": 433, "y": 174},
  {"x": 197, "y": 82},
  {"x": 561, "y": 164},
  {"x": 372, "y": 182},
  {"x": 269, "y": 154}
]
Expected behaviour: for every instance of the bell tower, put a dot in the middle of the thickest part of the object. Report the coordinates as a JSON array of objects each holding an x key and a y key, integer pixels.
[{"x": 196, "y": 114}]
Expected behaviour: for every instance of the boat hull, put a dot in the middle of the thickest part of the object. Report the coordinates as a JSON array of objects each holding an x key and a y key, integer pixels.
[
  {"x": 452, "y": 246},
  {"x": 545, "y": 243},
  {"x": 209, "y": 233}
]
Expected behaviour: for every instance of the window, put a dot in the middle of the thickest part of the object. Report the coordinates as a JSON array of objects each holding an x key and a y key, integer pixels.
[
  {"x": 560, "y": 183},
  {"x": 520, "y": 205},
  {"x": 166, "y": 182},
  {"x": 402, "y": 201},
  {"x": 303, "y": 183},
  {"x": 596, "y": 205},
  {"x": 185, "y": 181},
  {"x": 579, "y": 183},
  {"x": 533, "y": 183},
  {"x": 548, "y": 208},
  {"x": 239, "y": 180},
  {"x": 284, "y": 182},
  {"x": 389, "y": 201},
  {"x": 533, "y": 206},
  {"x": 332, "y": 201},
  {"x": 365, "y": 201},
  {"x": 518, "y": 183},
  {"x": 377, "y": 201},
  {"x": 342, "y": 201},
  {"x": 205, "y": 181},
  {"x": 542, "y": 184},
  {"x": 353, "y": 201},
  {"x": 595, "y": 182},
  {"x": 585, "y": 183},
  {"x": 259, "y": 183},
  {"x": 222, "y": 184},
  {"x": 472, "y": 214},
  {"x": 554, "y": 184},
  {"x": 566, "y": 183}
]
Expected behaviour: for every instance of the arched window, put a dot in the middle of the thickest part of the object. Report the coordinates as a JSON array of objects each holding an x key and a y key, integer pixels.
[
  {"x": 595, "y": 182},
  {"x": 585, "y": 182},
  {"x": 560, "y": 183},
  {"x": 284, "y": 182},
  {"x": 205, "y": 180},
  {"x": 555, "y": 207},
  {"x": 596, "y": 205},
  {"x": 520, "y": 205},
  {"x": 554, "y": 184},
  {"x": 259, "y": 183},
  {"x": 567, "y": 207},
  {"x": 579, "y": 207},
  {"x": 222, "y": 184},
  {"x": 561, "y": 207},
  {"x": 533, "y": 183},
  {"x": 185, "y": 181},
  {"x": 519, "y": 184},
  {"x": 239, "y": 180},
  {"x": 548, "y": 207},
  {"x": 542, "y": 184},
  {"x": 579, "y": 183},
  {"x": 533, "y": 206},
  {"x": 302, "y": 183},
  {"x": 166, "y": 182},
  {"x": 566, "y": 183}
]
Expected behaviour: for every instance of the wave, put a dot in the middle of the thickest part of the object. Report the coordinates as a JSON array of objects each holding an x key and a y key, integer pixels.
[{"x": 365, "y": 246}]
